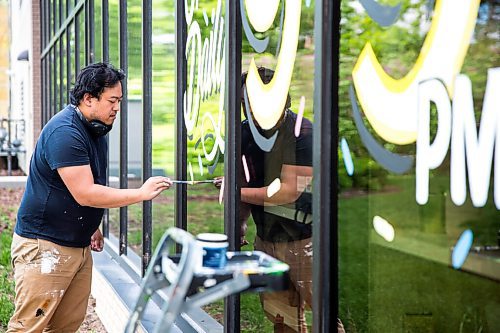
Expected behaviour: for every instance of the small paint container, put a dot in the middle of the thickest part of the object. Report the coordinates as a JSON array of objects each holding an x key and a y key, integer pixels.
[{"x": 214, "y": 249}]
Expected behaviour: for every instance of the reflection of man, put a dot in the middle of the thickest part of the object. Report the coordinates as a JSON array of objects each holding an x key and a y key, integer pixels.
[
  {"x": 281, "y": 205},
  {"x": 58, "y": 220}
]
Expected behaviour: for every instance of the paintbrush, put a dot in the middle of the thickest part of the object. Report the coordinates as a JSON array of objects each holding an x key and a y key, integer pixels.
[{"x": 193, "y": 182}]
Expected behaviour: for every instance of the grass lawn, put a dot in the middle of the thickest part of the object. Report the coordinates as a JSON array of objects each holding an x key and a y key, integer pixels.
[
  {"x": 404, "y": 285},
  {"x": 6, "y": 277}
]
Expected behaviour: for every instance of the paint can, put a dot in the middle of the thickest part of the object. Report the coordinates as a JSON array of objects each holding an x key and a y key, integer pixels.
[{"x": 214, "y": 249}]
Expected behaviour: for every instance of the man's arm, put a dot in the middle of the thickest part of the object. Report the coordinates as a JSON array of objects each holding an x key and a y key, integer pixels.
[
  {"x": 80, "y": 183},
  {"x": 289, "y": 191}
]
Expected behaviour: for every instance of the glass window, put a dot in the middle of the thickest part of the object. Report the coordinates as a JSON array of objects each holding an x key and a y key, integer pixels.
[
  {"x": 163, "y": 98},
  {"x": 135, "y": 118},
  {"x": 277, "y": 150},
  {"x": 204, "y": 119},
  {"x": 418, "y": 219},
  {"x": 204, "y": 115},
  {"x": 114, "y": 136}
]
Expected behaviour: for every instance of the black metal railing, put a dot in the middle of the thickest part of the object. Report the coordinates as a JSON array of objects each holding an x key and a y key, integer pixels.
[{"x": 11, "y": 140}]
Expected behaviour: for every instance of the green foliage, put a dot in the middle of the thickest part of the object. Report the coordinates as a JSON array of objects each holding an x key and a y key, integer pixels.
[
  {"x": 397, "y": 48},
  {"x": 6, "y": 297},
  {"x": 6, "y": 280},
  {"x": 6, "y": 239},
  {"x": 368, "y": 175}
]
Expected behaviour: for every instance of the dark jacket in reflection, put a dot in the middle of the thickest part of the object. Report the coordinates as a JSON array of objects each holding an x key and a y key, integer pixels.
[{"x": 291, "y": 221}]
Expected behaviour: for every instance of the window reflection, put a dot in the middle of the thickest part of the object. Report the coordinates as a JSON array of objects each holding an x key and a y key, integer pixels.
[
  {"x": 277, "y": 194},
  {"x": 418, "y": 217}
]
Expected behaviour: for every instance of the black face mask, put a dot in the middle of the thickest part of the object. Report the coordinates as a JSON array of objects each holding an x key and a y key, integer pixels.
[{"x": 96, "y": 127}]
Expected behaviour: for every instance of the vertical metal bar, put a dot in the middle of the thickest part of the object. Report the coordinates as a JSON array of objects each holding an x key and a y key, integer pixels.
[
  {"x": 51, "y": 83},
  {"x": 233, "y": 148},
  {"x": 123, "y": 125},
  {"x": 45, "y": 93},
  {"x": 181, "y": 133},
  {"x": 44, "y": 90},
  {"x": 9, "y": 140},
  {"x": 51, "y": 98},
  {"x": 147, "y": 131},
  {"x": 47, "y": 89},
  {"x": 68, "y": 62},
  {"x": 42, "y": 72},
  {"x": 105, "y": 58},
  {"x": 325, "y": 205},
  {"x": 77, "y": 44},
  {"x": 57, "y": 55},
  {"x": 57, "y": 62},
  {"x": 91, "y": 32},
  {"x": 56, "y": 93},
  {"x": 42, "y": 59},
  {"x": 87, "y": 32},
  {"x": 61, "y": 72}
]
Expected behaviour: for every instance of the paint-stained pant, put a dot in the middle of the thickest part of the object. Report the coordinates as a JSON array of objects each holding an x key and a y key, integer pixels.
[
  {"x": 52, "y": 286},
  {"x": 286, "y": 309}
]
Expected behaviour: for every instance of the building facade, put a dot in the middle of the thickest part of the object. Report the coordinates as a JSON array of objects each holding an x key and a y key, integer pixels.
[{"x": 405, "y": 174}]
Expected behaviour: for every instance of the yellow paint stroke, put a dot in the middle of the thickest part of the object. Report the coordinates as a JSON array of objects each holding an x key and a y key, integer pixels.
[
  {"x": 261, "y": 13},
  {"x": 268, "y": 100},
  {"x": 390, "y": 105}
]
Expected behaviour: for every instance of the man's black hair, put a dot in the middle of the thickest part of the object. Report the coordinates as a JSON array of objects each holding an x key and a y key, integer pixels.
[
  {"x": 93, "y": 79},
  {"x": 266, "y": 76}
]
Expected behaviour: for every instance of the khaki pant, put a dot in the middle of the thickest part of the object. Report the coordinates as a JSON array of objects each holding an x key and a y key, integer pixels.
[
  {"x": 52, "y": 286},
  {"x": 286, "y": 309}
]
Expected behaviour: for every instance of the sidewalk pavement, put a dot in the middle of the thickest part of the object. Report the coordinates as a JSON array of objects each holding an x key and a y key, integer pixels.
[{"x": 13, "y": 181}]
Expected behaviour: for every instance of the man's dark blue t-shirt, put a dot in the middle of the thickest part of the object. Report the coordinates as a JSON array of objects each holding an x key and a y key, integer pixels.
[{"x": 48, "y": 210}]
